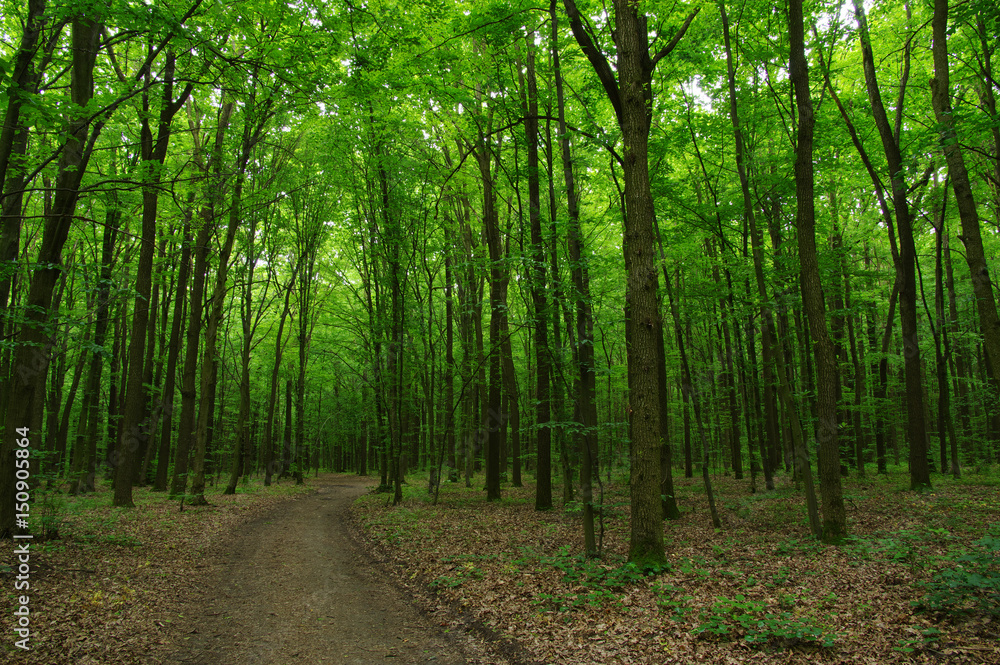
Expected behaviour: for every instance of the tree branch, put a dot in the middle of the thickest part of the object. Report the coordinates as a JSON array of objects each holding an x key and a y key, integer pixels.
[
  {"x": 597, "y": 59},
  {"x": 665, "y": 51}
]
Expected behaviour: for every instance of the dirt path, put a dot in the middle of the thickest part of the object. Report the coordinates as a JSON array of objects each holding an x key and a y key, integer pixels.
[{"x": 294, "y": 587}]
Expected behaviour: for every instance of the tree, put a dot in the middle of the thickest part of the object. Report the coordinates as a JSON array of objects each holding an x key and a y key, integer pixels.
[
  {"x": 631, "y": 95},
  {"x": 919, "y": 472},
  {"x": 971, "y": 237},
  {"x": 134, "y": 431},
  {"x": 834, "y": 518},
  {"x": 25, "y": 385}
]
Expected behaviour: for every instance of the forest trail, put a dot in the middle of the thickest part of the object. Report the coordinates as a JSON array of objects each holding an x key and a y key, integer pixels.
[{"x": 294, "y": 586}]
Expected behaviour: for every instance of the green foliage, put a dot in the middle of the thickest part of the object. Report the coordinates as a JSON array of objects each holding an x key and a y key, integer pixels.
[
  {"x": 970, "y": 585},
  {"x": 799, "y": 546},
  {"x": 929, "y": 639},
  {"x": 589, "y": 583},
  {"x": 755, "y": 625},
  {"x": 468, "y": 571},
  {"x": 670, "y": 598},
  {"x": 693, "y": 566}
]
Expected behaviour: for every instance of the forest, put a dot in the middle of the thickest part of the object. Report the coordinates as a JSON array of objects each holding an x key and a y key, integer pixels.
[{"x": 608, "y": 260}]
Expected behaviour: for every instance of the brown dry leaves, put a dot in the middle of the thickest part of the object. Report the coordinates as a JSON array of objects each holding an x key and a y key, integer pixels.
[
  {"x": 503, "y": 566},
  {"x": 114, "y": 585}
]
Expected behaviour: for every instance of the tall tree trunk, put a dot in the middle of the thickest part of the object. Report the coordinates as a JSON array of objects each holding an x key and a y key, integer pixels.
[
  {"x": 305, "y": 320},
  {"x": 946, "y": 424},
  {"x": 834, "y": 517},
  {"x": 916, "y": 428},
  {"x": 449, "y": 373},
  {"x": 173, "y": 352},
  {"x": 272, "y": 400},
  {"x": 211, "y": 168},
  {"x": 495, "y": 418},
  {"x": 84, "y": 468},
  {"x": 587, "y": 394},
  {"x": 136, "y": 426},
  {"x": 774, "y": 361},
  {"x": 541, "y": 304},
  {"x": 971, "y": 235},
  {"x": 859, "y": 378},
  {"x": 215, "y": 304},
  {"x": 247, "y": 327},
  {"x": 26, "y": 385},
  {"x": 14, "y": 141},
  {"x": 959, "y": 359},
  {"x": 631, "y": 95},
  {"x": 687, "y": 385}
]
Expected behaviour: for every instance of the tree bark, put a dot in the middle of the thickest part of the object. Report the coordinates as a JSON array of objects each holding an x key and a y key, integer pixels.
[
  {"x": 971, "y": 237},
  {"x": 26, "y": 385},
  {"x": 631, "y": 95},
  {"x": 834, "y": 517},
  {"x": 916, "y": 428},
  {"x": 211, "y": 168},
  {"x": 173, "y": 353},
  {"x": 541, "y": 305},
  {"x": 587, "y": 395}
]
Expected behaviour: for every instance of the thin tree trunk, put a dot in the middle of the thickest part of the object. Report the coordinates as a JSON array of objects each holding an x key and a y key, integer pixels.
[
  {"x": 916, "y": 429},
  {"x": 541, "y": 304},
  {"x": 173, "y": 353},
  {"x": 691, "y": 399},
  {"x": 215, "y": 304},
  {"x": 587, "y": 394},
  {"x": 971, "y": 235},
  {"x": 83, "y": 470}
]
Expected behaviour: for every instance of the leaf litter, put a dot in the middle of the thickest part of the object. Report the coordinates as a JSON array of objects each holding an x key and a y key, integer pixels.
[{"x": 760, "y": 590}]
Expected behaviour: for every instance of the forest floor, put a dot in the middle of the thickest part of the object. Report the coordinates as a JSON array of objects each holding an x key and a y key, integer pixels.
[
  {"x": 758, "y": 590},
  {"x": 330, "y": 573},
  {"x": 265, "y": 576}
]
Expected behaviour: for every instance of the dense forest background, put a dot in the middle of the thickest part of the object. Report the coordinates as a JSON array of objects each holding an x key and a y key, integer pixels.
[{"x": 504, "y": 241}]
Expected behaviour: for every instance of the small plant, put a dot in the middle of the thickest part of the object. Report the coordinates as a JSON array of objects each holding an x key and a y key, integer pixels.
[
  {"x": 692, "y": 567},
  {"x": 781, "y": 578},
  {"x": 971, "y": 585},
  {"x": 757, "y": 627},
  {"x": 52, "y": 515},
  {"x": 461, "y": 575},
  {"x": 929, "y": 639},
  {"x": 802, "y": 546},
  {"x": 591, "y": 583},
  {"x": 669, "y": 600}
]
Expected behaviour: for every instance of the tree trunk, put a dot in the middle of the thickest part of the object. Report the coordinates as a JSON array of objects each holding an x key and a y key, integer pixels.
[
  {"x": 587, "y": 395},
  {"x": 173, "y": 352},
  {"x": 541, "y": 304},
  {"x": 631, "y": 95},
  {"x": 215, "y": 304},
  {"x": 971, "y": 235},
  {"x": 495, "y": 418},
  {"x": 26, "y": 385},
  {"x": 14, "y": 141},
  {"x": 84, "y": 468},
  {"x": 272, "y": 400},
  {"x": 834, "y": 518},
  {"x": 916, "y": 429}
]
